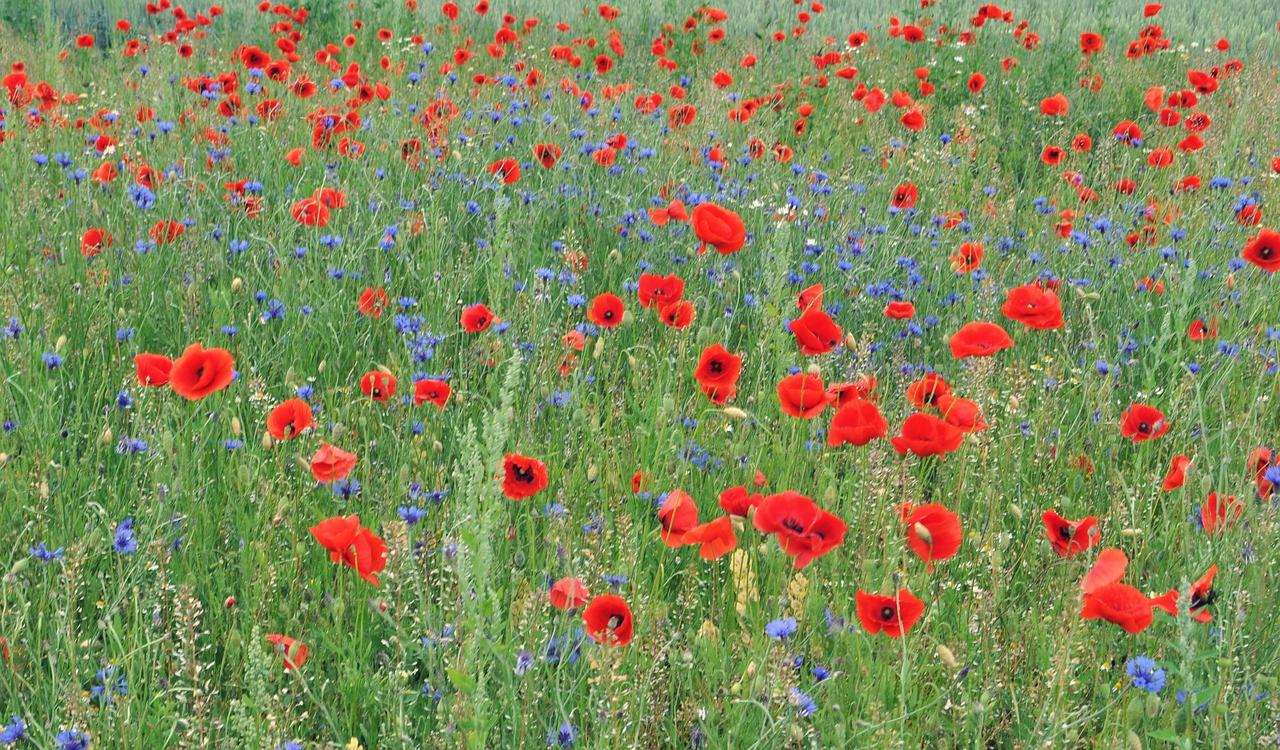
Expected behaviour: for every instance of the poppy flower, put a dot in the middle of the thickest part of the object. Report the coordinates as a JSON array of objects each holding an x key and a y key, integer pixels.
[
  {"x": 1263, "y": 251},
  {"x": 294, "y": 652},
  {"x": 904, "y": 196},
  {"x": 718, "y": 367},
  {"x": 199, "y": 372},
  {"x": 816, "y": 332},
  {"x": 1141, "y": 422},
  {"x": 607, "y": 619},
  {"x": 737, "y": 502},
  {"x": 802, "y": 395},
  {"x": 366, "y": 554},
  {"x": 678, "y": 514},
  {"x": 979, "y": 339},
  {"x": 1034, "y": 307},
  {"x": 547, "y": 154},
  {"x": 1199, "y": 330},
  {"x": 1070, "y": 537},
  {"x": 330, "y": 464},
  {"x": 1220, "y": 513},
  {"x": 434, "y": 391},
  {"x": 933, "y": 532},
  {"x": 893, "y": 615},
  {"x": 1177, "y": 474},
  {"x": 378, "y": 385},
  {"x": 900, "y": 310},
  {"x": 809, "y": 298},
  {"x": 678, "y": 314},
  {"x": 976, "y": 83},
  {"x": 805, "y": 531},
  {"x": 476, "y": 318},
  {"x": 523, "y": 476},
  {"x": 1090, "y": 42},
  {"x": 153, "y": 369},
  {"x": 507, "y": 169},
  {"x": 913, "y": 121},
  {"x": 717, "y": 538},
  {"x": 857, "y": 422},
  {"x": 289, "y": 419},
  {"x": 310, "y": 212},
  {"x": 1202, "y": 595},
  {"x": 372, "y": 302},
  {"x": 1120, "y": 604},
  {"x": 569, "y": 593},
  {"x": 94, "y": 241},
  {"x": 1055, "y": 106},
  {"x": 718, "y": 227},
  {"x": 862, "y": 388},
  {"x": 657, "y": 291},
  {"x": 606, "y": 310},
  {"x": 926, "y": 435},
  {"x": 925, "y": 392},
  {"x": 1107, "y": 569},
  {"x": 961, "y": 413}
]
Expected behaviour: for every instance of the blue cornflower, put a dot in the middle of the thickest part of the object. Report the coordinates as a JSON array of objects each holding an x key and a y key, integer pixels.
[
  {"x": 51, "y": 359},
  {"x": 524, "y": 662},
  {"x": 1146, "y": 674},
  {"x": 411, "y": 514},
  {"x": 563, "y": 736},
  {"x": 14, "y": 731},
  {"x": 72, "y": 739},
  {"x": 124, "y": 543},
  {"x": 781, "y": 628},
  {"x": 44, "y": 553},
  {"x": 805, "y": 705},
  {"x": 124, "y": 400},
  {"x": 346, "y": 488}
]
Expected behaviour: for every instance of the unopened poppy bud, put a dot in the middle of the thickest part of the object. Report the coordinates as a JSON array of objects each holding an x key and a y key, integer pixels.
[
  {"x": 236, "y": 285},
  {"x": 62, "y": 341},
  {"x": 320, "y": 367},
  {"x": 829, "y": 496},
  {"x": 302, "y": 462},
  {"x": 631, "y": 361},
  {"x": 751, "y": 670},
  {"x": 384, "y": 370},
  {"x": 1015, "y": 511},
  {"x": 436, "y": 446},
  {"x": 733, "y": 412},
  {"x": 592, "y": 473},
  {"x": 1130, "y": 532},
  {"x": 1153, "y": 706},
  {"x": 1206, "y": 484},
  {"x": 1134, "y": 711},
  {"x": 850, "y": 342},
  {"x": 230, "y": 602},
  {"x": 19, "y": 566},
  {"x": 923, "y": 533},
  {"x": 1132, "y": 741},
  {"x": 599, "y": 348},
  {"x": 946, "y": 657},
  {"x": 266, "y": 441},
  {"x": 106, "y": 437},
  {"x": 813, "y": 369},
  {"x": 4, "y": 459},
  {"x": 235, "y": 426},
  {"x": 614, "y": 255},
  {"x": 44, "y": 489}
]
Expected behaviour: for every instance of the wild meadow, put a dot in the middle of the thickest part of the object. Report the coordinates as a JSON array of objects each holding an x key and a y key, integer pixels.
[{"x": 669, "y": 375}]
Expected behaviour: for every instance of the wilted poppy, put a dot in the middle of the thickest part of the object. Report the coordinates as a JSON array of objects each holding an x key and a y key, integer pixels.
[
  {"x": 893, "y": 615},
  {"x": 289, "y": 419},
  {"x": 523, "y": 476},
  {"x": 199, "y": 372},
  {"x": 607, "y": 619}
]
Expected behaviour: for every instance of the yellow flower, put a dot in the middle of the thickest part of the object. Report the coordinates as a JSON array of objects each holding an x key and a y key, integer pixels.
[{"x": 354, "y": 744}]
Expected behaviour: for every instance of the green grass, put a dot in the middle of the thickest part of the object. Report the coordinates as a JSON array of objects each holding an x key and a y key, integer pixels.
[{"x": 1001, "y": 657}]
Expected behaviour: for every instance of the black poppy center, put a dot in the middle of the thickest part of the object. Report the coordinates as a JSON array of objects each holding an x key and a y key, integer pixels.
[
  {"x": 1203, "y": 598},
  {"x": 717, "y": 366},
  {"x": 886, "y": 613},
  {"x": 615, "y": 622},
  {"x": 1144, "y": 427},
  {"x": 524, "y": 474},
  {"x": 792, "y": 524},
  {"x": 1065, "y": 532}
]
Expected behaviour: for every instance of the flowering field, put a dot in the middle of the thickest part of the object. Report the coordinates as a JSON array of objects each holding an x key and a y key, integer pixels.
[{"x": 394, "y": 376}]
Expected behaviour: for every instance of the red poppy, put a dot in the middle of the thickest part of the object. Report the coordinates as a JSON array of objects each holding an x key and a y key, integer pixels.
[
  {"x": 1177, "y": 473},
  {"x": 718, "y": 368},
  {"x": 1259, "y": 461},
  {"x": 1070, "y": 537},
  {"x": 569, "y": 593},
  {"x": 607, "y": 619},
  {"x": 900, "y": 310},
  {"x": 1090, "y": 42},
  {"x": 976, "y": 82},
  {"x": 1220, "y": 513},
  {"x": 199, "y": 372},
  {"x": 434, "y": 391},
  {"x": 94, "y": 241},
  {"x": 378, "y": 385},
  {"x": 718, "y": 227},
  {"x": 310, "y": 212},
  {"x": 1120, "y": 604},
  {"x": 331, "y": 464},
  {"x": 736, "y": 502},
  {"x": 337, "y": 533},
  {"x": 476, "y": 318},
  {"x": 678, "y": 514},
  {"x": 606, "y": 310},
  {"x": 933, "y": 532},
  {"x": 367, "y": 554},
  {"x": 857, "y": 422},
  {"x": 816, "y": 332},
  {"x": 289, "y": 419},
  {"x": 1199, "y": 330},
  {"x": 523, "y": 476},
  {"x": 805, "y": 531},
  {"x": 1141, "y": 422},
  {"x": 979, "y": 339},
  {"x": 717, "y": 538},
  {"x": 1263, "y": 251},
  {"x": 1055, "y": 106},
  {"x": 1202, "y": 595},
  {"x": 547, "y": 154},
  {"x": 84, "y": 41},
  {"x": 657, "y": 291},
  {"x": 802, "y": 395},
  {"x": 1034, "y": 307},
  {"x": 153, "y": 369},
  {"x": 892, "y": 615},
  {"x": 962, "y": 414},
  {"x": 926, "y": 435},
  {"x": 293, "y": 652},
  {"x": 904, "y": 196},
  {"x": 925, "y": 392},
  {"x": 863, "y": 388},
  {"x": 372, "y": 302},
  {"x": 677, "y": 314},
  {"x": 507, "y": 169},
  {"x": 809, "y": 298}
]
